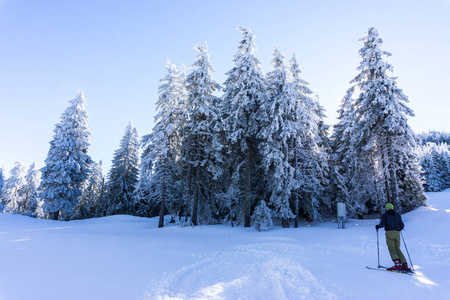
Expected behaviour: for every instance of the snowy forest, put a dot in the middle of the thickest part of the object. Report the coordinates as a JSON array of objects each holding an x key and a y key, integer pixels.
[{"x": 248, "y": 151}]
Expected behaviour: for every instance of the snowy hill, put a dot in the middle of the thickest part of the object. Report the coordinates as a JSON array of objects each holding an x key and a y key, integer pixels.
[{"x": 125, "y": 257}]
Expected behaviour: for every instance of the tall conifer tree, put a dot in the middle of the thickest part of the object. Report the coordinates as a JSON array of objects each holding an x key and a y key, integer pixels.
[
  {"x": 308, "y": 156},
  {"x": 124, "y": 174},
  {"x": 387, "y": 169},
  {"x": 67, "y": 165},
  {"x": 12, "y": 197},
  {"x": 160, "y": 162},
  {"x": 279, "y": 127},
  {"x": 2, "y": 179},
  {"x": 201, "y": 147},
  {"x": 93, "y": 201},
  {"x": 244, "y": 92},
  {"x": 29, "y": 191}
]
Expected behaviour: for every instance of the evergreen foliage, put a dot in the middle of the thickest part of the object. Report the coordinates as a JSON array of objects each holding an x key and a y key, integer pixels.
[
  {"x": 435, "y": 163},
  {"x": 244, "y": 92},
  {"x": 92, "y": 201},
  {"x": 124, "y": 174},
  {"x": 308, "y": 156},
  {"x": 433, "y": 136},
  {"x": 160, "y": 168},
  {"x": 29, "y": 192},
  {"x": 67, "y": 165},
  {"x": 210, "y": 157},
  {"x": 385, "y": 166},
  {"x": 2, "y": 180},
  {"x": 201, "y": 145},
  {"x": 12, "y": 198},
  {"x": 262, "y": 217},
  {"x": 278, "y": 128}
]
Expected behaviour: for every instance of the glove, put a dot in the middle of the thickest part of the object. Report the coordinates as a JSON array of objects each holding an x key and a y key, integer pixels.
[{"x": 377, "y": 227}]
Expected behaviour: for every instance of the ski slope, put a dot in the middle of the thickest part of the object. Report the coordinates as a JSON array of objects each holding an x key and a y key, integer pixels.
[{"x": 124, "y": 257}]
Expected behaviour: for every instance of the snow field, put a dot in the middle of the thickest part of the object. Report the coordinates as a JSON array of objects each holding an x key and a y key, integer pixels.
[{"x": 124, "y": 257}]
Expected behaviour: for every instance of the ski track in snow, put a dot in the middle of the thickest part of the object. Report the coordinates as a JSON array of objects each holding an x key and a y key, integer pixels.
[
  {"x": 246, "y": 272},
  {"x": 267, "y": 270}
]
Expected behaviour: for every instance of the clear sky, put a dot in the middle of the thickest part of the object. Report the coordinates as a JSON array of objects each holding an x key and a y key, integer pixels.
[{"x": 115, "y": 51}]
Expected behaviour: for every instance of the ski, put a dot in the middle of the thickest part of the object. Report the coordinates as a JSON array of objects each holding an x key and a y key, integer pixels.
[{"x": 381, "y": 268}]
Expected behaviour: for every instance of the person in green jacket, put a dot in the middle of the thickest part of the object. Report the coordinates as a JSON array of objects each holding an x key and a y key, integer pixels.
[{"x": 393, "y": 224}]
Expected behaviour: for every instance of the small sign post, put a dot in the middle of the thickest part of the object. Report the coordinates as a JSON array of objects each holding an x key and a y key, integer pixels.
[{"x": 341, "y": 215}]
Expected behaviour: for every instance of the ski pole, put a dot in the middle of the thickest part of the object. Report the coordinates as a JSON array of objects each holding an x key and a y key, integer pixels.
[
  {"x": 412, "y": 266},
  {"x": 378, "y": 250}
]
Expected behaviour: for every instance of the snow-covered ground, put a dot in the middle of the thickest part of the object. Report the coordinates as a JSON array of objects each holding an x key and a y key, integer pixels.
[{"x": 123, "y": 257}]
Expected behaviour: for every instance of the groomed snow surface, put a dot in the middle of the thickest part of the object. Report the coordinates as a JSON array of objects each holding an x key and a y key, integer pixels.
[{"x": 124, "y": 257}]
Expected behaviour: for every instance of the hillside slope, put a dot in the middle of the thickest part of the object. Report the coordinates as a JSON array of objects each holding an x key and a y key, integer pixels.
[{"x": 124, "y": 257}]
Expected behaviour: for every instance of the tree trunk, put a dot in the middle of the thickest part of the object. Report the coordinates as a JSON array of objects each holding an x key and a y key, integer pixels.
[
  {"x": 188, "y": 201},
  {"x": 393, "y": 177},
  {"x": 247, "y": 187},
  {"x": 195, "y": 200},
  {"x": 55, "y": 215},
  {"x": 163, "y": 204},
  {"x": 296, "y": 212},
  {"x": 285, "y": 223},
  {"x": 297, "y": 200},
  {"x": 385, "y": 174}
]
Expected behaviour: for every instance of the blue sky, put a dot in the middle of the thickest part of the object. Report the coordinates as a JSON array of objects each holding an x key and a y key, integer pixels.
[{"x": 115, "y": 51}]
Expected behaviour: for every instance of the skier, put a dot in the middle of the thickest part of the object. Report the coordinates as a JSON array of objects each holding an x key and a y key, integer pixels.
[{"x": 393, "y": 224}]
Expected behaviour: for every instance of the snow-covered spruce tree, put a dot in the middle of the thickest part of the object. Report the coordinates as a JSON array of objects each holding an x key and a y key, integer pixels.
[
  {"x": 143, "y": 206},
  {"x": 278, "y": 129},
  {"x": 443, "y": 163},
  {"x": 160, "y": 166},
  {"x": 262, "y": 217},
  {"x": 320, "y": 157},
  {"x": 244, "y": 92},
  {"x": 433, "y": 136},
  {"x": 92, "y": 201},
  {"x": 11, "y": 196},
  {"x": 432, "y": 178},
  {"x": 322, "y": 135},
  {"x": 29, "y": 191},
  {"x": 2, "y": 182},
  {"x": 307, "y": 155},
  {"x": 382, "y": 139},
  {"x": 201, "y": 147},
  {"x": 124, "y": 174},
  {"x": 342, "y": 156},
  {"x": 435, "y": 169},
  {"x": 67, "y": 165}
]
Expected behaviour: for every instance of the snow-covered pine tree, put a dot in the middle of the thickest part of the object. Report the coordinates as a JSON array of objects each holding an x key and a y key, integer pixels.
[
  {"x": 307, "y": 156},
  {"x": 382, "y": 139},
  {"x": 262, "y": 217},
  {"x": 244, "y": 92},
  {"x": 201, "y": 146},
  {"x": 443, "y": 163},
  {"x": 11, "y": 196},
  {"x": 433, "y": 174},
  {"x": 342, "y": 158},
  {"x": 124, "y": 174},
  {"x": 143, "y": 206},
  {"x": 322, "y": 135},
  {"x": 29, "y": 191},
  {"x": 278, "y": 128},
  {"x": 320, "y": 157},
  {"x": 2, "y": 181},
  {"x": 433, "y": 136},
  {"x": 92, "y": 202},
  {"x": 67, "y": 165},
  {"x": 160, "y": 161}
]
